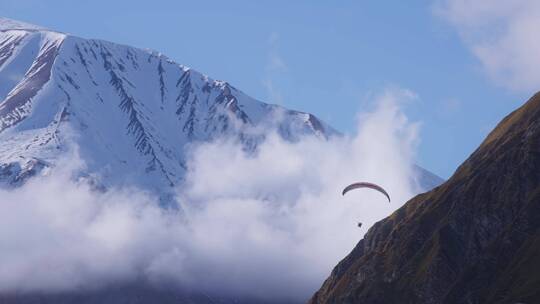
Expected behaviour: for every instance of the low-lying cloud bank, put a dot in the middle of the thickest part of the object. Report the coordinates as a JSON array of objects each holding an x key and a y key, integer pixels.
[{"x": 270, "y": 224}]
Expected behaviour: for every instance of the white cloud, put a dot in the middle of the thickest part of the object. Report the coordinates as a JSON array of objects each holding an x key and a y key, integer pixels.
[
  {"x": 275, "y": 67},
  {"x": 275, "y": 61},
  {"x": 502, "y": 34},
  {"x": 274, "y": 94},
  {"x": 269, "y": 224}
]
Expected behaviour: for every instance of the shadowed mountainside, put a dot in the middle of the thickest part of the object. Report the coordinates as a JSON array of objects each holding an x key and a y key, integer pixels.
[{"x": 474, "y": 239}]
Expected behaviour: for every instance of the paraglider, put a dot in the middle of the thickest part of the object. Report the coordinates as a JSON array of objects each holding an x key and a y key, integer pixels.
[{"x": 366, "y": 185}]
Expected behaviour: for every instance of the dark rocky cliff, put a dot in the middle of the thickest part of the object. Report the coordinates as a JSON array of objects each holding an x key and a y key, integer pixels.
[{"x": 474, "y": 239}]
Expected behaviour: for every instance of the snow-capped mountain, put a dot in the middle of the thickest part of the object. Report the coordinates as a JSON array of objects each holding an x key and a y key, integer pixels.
[{"x": 130, "y": 111}]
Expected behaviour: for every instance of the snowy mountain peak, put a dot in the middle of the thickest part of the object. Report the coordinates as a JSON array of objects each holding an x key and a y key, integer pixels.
[
  {"x": 10, "y": 24},
  {"x": 131, "y": 111}
]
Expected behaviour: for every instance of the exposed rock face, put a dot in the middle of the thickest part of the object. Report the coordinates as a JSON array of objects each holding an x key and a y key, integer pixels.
[{"x": 474, "y": 239}]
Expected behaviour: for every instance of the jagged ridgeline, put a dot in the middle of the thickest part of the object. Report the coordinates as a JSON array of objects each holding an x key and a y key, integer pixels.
[
  {"x": 131, "y": 111},
  {"x": 474, "y": 239}
]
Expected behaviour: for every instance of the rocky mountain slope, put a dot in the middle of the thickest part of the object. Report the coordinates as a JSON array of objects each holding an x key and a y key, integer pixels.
[{"x": 474, "y": 239}]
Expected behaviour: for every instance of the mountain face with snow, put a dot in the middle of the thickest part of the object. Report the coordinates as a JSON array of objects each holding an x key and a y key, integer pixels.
[
  {"x": 131, "y": 112},
  {"x": 128, "y": 110}
]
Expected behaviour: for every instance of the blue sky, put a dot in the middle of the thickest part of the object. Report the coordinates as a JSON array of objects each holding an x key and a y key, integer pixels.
[{"x": 327, "y": 58}]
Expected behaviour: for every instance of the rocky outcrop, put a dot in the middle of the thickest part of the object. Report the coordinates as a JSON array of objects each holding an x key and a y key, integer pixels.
[{"x": 474, "y": 239}]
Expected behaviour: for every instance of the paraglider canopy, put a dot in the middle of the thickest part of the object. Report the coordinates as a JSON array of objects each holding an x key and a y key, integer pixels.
[{"x": 366, "y": 185}]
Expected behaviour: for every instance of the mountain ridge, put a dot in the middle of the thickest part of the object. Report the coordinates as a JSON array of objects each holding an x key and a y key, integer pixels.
[
  {"x": 129, "y": 107},
  {"x": 11, "y": 24},
  {"x": 474, "y": 239}
]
